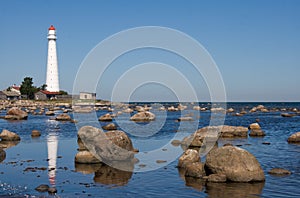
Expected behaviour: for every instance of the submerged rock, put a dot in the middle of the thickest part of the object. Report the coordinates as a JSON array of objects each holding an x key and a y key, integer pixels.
[
  {"x": 287, "y": 115},
  {"x": 63, "y": 117},
  {"x": 185, "y": 119},
  {"x": 35, "y": 133},
  {"x": 105, "y": 118},
  {"x": 237, "y": 164},
  {"x": 15, "y": 113},
  {"x": 9, "y": 136},
  {"x": 279, "y": 171},
  {"x": 50, "y": 113},
  {"x": 42, "y": 188},
  {"x": 144, "y": 116},
  {"x": 110, "y": 127},
  {"x": 294, "y": 138}
]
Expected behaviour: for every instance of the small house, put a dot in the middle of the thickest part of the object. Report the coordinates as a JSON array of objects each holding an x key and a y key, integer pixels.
[
  {"x": 87, "y": 96},
  {"x": 46, "y": 95}
]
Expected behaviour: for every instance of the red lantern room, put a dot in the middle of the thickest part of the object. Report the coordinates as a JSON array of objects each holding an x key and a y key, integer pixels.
[{"x": 51, "y": 27}]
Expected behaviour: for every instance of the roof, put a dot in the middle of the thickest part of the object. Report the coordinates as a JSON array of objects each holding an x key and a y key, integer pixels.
[
  {"x": 50, "y": 92},
  {"x": 16, "y": 87},
  {"x": 51, "y": 27},
  {"x": 11, "y": 93}
]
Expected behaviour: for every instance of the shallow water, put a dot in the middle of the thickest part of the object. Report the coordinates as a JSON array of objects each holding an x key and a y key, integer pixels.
[{"x": 81, "y": 180}]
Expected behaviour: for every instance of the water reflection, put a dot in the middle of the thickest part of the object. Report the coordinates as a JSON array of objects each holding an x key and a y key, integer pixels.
[
  {"x": 52, "y": 144},
  {"x": 224, "y": 190},
  {"x": 8, "y": 144},
  {"x": 105, "y": 174},
  {"x": 2, "y": 155},
  {"x": 234, "y": 190}
]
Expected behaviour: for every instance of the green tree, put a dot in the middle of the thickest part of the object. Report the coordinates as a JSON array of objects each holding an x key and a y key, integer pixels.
[
  {"x": 43, "y": 87},
  {"x": 27, "y": 88},
  {"x": 62, "y": 92}
]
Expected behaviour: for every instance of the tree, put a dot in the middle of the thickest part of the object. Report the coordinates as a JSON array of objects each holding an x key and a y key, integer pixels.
[
  {"x": 43, "y": 87},
  {"x": 62, "y": 92},
  {"x": 27, "y": 88}
]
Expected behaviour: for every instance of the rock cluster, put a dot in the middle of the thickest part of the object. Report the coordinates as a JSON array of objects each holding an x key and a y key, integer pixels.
[
  {"x": 224, "y": 164},
  {"x": 15, "y": 113}
]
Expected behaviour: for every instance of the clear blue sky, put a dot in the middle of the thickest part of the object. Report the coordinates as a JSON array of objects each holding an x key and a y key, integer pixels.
[{"x": 255, "y": 43}]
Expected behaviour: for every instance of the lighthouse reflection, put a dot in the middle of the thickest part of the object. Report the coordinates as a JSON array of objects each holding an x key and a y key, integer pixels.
[{"x": 52, "y": 144}]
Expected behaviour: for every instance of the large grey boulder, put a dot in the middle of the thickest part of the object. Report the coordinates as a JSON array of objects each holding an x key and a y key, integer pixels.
[
  {"x": 107, "y": 147},
  {"x": 15, "y": 113},
  {"x": 237, "y": 164}
]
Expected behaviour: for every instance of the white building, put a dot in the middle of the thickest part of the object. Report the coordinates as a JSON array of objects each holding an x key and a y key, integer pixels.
[
  {"x": 87, "y": 96},
  {"x": 52, "y": 80}
]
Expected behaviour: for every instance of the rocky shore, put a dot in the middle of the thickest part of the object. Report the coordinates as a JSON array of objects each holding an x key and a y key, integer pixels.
[{"x": 110, "y": 155}]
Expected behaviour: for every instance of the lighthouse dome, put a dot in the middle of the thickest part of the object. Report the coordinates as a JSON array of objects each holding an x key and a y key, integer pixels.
[{"x": 51, "y": 27}]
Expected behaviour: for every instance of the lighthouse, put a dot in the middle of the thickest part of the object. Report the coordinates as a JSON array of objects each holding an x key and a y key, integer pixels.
[{"x": 52, "y": 80}]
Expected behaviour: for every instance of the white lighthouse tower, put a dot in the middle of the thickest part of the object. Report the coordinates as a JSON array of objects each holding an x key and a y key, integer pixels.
[{"x": 52, "y": 81}]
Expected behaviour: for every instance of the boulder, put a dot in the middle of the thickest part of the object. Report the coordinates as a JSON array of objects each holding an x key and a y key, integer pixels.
[
  {"x": 128, "y": 110},
  {"x": 254, "y": 126},
  {"x": 50, "y": 113},
  {"x": 279, "y": 171},
  {"x": 110, "y": 127},
  {"x": 237, "y": 164},
  {"x": 9, "y": 136},
  {"x": 110, "y": 146},
  {"x": 257, "y": 133},
  {"x": 86, "y": 157},
  {"x": 2, "y": 155},
  {"x": 294, "y": 138},
  {"x": 63, "y": 117},
  {"x": 144, "y": 116},
  {"x": 188, "y": 157},
  {"x": 233, "y": 131},
  {"x": 195, "y": 169},
  {"x": 15, "y": 113},
  {"x": 105, "y": 118},
  {"x": 211, "y": 133},
  {"x": 216, "y": 178},
  {"x": 35, "y": 133},
  {"x": 230, "y": 110}
]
